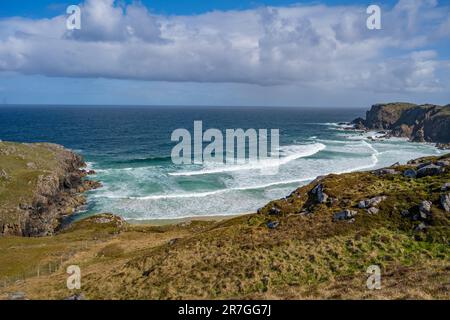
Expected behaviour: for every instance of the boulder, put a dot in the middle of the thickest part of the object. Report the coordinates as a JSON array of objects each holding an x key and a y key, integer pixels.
[
  {"x": 382, "y": 172},
  {"x": 76, "y": 297},
  {"x": 273, "y": 224},
  {"x": 363, "y": 204},
  {"x": 446, "y": 186},
  {"x": 274, "y": 211},
  {"x": 410, "y": 173},
  {"x": 424, "y": 164},
  {"x": 443, "y": 163},
  {"x": 373, "y": 210},
  {"x": 405, "y": 213},
  {"x": 445, "y": 202},
  {"x": 443, "y": 146},
  {"x": 4, "y": 175},
  {"x": 344, "y": 215},
  {"x": 359, "y": 124},
  {"x": 425, "y": 209},
  {"x": 321, "y": 196},
  {"x": 420, "y": 227},
  {"x": 17, "y": 296},
  {"x": 430, "y": 170}
]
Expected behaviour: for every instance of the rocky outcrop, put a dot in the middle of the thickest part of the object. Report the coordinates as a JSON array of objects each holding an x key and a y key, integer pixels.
[
  {"x": 344, "y": 215},
  {"x": 319, "y": 194},
  {"x": 445, "y": 202},
  {"x": 37, "y": 197},
  {"x": 420, "y": 123},
  {"x": 430, "y": 170}
]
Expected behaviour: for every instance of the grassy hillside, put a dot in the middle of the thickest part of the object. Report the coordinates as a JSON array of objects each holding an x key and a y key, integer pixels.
[{"x": 293, "y": 248}]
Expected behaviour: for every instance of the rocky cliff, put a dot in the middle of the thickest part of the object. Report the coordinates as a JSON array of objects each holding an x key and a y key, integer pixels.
[
  {"x": 420, "y": 123},
  {"x": 40, "y": 184}
]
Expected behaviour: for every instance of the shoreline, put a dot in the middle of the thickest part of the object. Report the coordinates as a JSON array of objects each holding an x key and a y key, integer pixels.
[{"x": 183, "y": 220}]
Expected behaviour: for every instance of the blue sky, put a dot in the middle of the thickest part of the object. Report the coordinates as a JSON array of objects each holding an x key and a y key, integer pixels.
[
  {"x": 225, "y": 52},
  {"x": 48, "y": 8}
]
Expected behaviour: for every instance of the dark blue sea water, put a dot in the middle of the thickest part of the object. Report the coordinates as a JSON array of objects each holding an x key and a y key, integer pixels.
[{"x": 130, "y": 148}]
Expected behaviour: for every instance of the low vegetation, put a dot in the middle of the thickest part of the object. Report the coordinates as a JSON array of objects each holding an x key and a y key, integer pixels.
[{"x": 293, "y": 248}]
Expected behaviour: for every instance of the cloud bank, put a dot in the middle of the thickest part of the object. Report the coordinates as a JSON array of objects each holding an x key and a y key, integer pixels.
[{"x": 310, "y": 46}]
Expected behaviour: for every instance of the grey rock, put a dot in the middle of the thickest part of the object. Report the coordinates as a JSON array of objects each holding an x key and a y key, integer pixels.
[
  {"x": 273, "y": 224},
  {"x": 382, "y": 172},
  {"x": 76, "y": 297},
  {"x": 17, "y": 296},
  {"x": 446, "y": 186},
  {"x": 445, "y": 202},
  {"x": 425, "y": 209},
  {"x": 363, "y": 204},
  {"x": 321, "y": 196},
  {"x": 31, "y": 165},
  {"x": 377, "y": 200},
  {"x": 421, "y": 165},
  {"x": 405, "y": 213},
  {"x": 443, "y": 163},
  {"x": 344, "y": 215},
  {"x": 420, "y": 227},
  {"x": 373, "y": 210},
  {"x": 4, "y": 175},
  {"x": 410, "y": 173},
  {"x": 274, "y": 211},
  {"x": 430, "y": 170}
]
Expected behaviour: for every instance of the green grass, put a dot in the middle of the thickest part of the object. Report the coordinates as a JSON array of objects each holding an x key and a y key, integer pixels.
[{"x": 304, "y": 257}]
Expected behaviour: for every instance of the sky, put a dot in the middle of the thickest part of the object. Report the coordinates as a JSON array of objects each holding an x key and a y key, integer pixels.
[{"x": 225, "y": 53}]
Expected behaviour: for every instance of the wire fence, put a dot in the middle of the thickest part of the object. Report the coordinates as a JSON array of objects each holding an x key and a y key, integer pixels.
[{"x": 46, "y": 268}]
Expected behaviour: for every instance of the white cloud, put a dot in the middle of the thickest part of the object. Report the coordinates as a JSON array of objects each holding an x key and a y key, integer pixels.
[{"x": 307, "y": 46}]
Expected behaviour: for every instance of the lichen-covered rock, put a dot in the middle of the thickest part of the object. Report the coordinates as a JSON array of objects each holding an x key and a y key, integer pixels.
[
  {"x": 344, "y": 215},
  {"x": 445, "y": 202},
  {"x": 321, "y": 196},
  {"x": 446, "y": 186},
  {"x": 385, "y": 171},
  {"x": 373, "y": 210},
  {"x": 410, "y": 173},
  {"x": 274, "y": 211},
  {"x": 443, "y": 163},
  {"x": 430, "y": 170},
  {"x": 273, "y": 224},
  {"x": 373, "y": 202},
  {"x": 425, "y": 209}
]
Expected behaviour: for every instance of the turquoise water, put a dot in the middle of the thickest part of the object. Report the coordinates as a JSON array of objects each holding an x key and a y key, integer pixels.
[{"x": 129, "y": 147}]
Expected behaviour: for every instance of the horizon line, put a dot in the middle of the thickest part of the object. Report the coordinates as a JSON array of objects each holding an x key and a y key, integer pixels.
[{"x": 176, "y": 105}]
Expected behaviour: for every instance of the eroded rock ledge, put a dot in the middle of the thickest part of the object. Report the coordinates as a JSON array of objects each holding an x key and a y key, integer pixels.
[
  {"x": 40, "y": 184},
  {"x": 420, "y": 123}
]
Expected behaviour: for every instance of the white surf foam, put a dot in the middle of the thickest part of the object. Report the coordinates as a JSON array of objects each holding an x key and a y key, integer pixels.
[
  {"x": 204, "y": 194},
  {"x": 291, "y": 153}
]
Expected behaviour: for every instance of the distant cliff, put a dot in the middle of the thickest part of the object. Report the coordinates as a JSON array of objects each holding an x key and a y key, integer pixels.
[
  {"x": 420, "y": 123},
  {"x": 39, "y": 185}
]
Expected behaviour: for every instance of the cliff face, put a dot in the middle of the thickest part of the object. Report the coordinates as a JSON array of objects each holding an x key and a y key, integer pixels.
[
  {"x": 421, "y": 123},
  {"x": 39, "y": 185}
]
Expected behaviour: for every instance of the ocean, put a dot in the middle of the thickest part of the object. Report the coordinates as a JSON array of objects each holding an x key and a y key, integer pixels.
[{"x": 130, "y": 147}]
